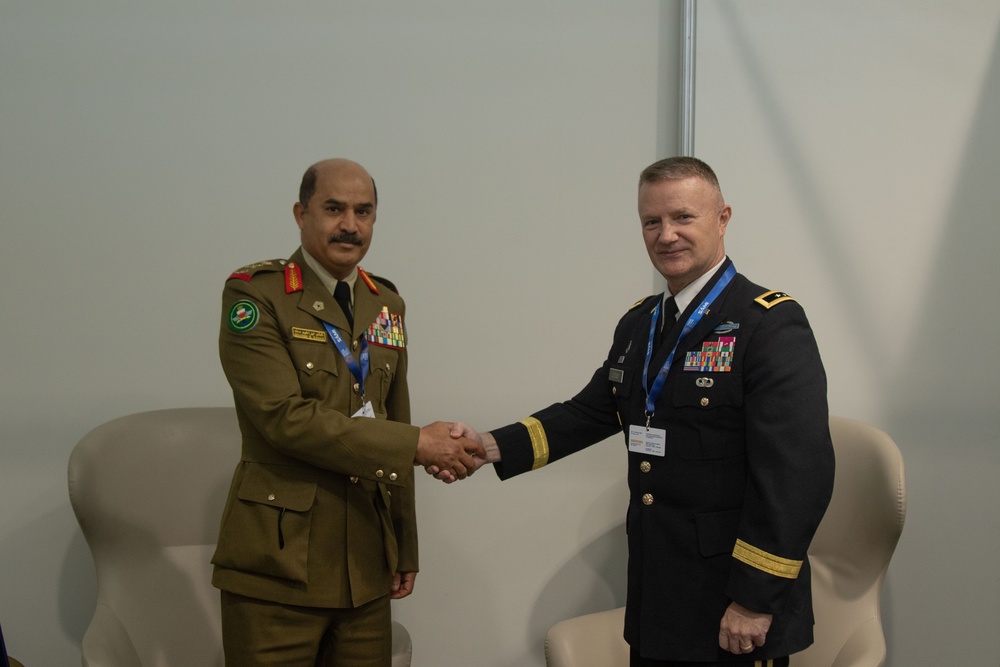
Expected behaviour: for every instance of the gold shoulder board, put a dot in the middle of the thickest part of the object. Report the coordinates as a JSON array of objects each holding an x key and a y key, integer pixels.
[
  {"x": 773, "y": 298},
  {"x": 638, "y": 303}
]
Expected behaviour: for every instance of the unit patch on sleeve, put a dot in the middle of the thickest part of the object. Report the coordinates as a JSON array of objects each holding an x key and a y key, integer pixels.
[
  {"x": 387, "y": 330},
  {"x": 714, "y": 356},
  {"x": 243, "y": 316}
]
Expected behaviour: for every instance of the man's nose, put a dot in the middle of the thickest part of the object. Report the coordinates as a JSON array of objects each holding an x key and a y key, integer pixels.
[
  {"x": 349, "y": 221},
  {"x": 668, "y": 234}
]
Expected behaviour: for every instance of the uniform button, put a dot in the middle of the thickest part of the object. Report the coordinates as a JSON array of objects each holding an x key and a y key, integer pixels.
[
  {"x": 309, "y": 365},
  {"x": 645, "y": 466},
  {"x": 354, "y": 480},
  {"x": 270, "y": 496},
  {"x": 393, "y": 476},
  {"x": 357, "y": 388},
  {"x": 355, "y": 345},
  {"x": 704, "y": 402},
  {"x": 388, "y": 367},
  {"x": 379, "y": 474},
  {"x": 647, "y": 499}
]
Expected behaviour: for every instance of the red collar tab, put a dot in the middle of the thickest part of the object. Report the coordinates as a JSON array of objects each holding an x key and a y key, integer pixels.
[
  {"x": 368, "y": 281},
  {"x": 293, "y": 278}
]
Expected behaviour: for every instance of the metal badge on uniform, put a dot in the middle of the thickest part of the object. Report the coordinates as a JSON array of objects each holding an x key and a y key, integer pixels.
[
  {"x": 616, "y": 375},
  {"x": 387, "y": 330},
  {"x": 309, "y": 334},
  {"x": 651, "y": 441},
  {"x": 726, "y": 327},
  {"x": 713, "y": 357}
]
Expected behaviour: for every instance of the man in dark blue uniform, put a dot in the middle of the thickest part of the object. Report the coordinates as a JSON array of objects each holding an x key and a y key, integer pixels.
[{"x": 719, "y": 390}]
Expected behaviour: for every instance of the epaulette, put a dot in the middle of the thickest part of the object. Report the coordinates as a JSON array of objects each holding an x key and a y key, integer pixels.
[
  {"x": 640, "y": 302},
  {"x": 371, "y": 278},
  {"x": 773, "y": 298},
  {"x": 247, "y": 272},
  {"x": 293, "y": 273}
]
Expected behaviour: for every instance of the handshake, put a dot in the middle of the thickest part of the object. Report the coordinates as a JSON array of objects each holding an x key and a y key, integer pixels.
[{"x": 453, "y": 451}]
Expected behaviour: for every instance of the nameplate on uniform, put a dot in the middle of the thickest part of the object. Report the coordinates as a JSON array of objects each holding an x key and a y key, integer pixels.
[
  {"x": 616, "y": 375},
  {"x": 309, "y": 334},
  {"x": 650, "y": 441}
]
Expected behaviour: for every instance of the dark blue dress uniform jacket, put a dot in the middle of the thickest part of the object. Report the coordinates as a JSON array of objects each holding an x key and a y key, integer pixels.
[{"x": 728, "y": 512}]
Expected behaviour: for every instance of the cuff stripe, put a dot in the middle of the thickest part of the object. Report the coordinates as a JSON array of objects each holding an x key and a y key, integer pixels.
[
  {"x": 539, "y": 443},
  {"x": 765, "y": 562}
]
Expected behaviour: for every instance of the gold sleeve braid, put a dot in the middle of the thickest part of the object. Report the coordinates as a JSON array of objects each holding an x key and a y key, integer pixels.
[
  {"x": 539, "y": 443},
  {"x": 760, "y": 559}
]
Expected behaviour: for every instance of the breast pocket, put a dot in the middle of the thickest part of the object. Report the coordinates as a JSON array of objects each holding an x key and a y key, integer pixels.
[
  {"x": 711, "y": 407},
  {"x": 384, "y": 361},
  {"x": 316, "y": 364}
]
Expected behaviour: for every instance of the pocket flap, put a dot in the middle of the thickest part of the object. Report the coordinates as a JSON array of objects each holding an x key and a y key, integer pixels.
[{"x": 279, "y": 486}]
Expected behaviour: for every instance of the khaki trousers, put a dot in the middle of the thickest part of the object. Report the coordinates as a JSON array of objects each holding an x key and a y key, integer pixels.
[{"x": 258, "y": 633}]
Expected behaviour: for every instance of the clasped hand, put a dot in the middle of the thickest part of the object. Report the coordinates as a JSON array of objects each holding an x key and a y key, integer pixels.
[
  {"x": 477, "y": 449},
  {"x": 449, "y": 451}
]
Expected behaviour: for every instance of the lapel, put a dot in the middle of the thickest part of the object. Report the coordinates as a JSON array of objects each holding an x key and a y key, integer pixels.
[
  {"x": 710, "y": 320},
  {"x": 315, "y": 300},
  {"x": 367, "y": 304}
]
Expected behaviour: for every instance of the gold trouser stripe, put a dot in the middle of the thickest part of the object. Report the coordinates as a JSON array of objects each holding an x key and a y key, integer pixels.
[
  {"x": 539, "y": 443},
  {"x": 760, "y": 559},
  {"x": 763, "y": 663}
]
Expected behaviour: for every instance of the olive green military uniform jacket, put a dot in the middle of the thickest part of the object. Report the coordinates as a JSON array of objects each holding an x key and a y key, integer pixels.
[{"x": 321, "y": 508}]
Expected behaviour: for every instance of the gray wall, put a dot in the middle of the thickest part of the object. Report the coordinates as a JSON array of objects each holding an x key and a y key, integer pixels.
[
  {"x": 859, "y": 145},
  {"x": 148, "y": 151}
]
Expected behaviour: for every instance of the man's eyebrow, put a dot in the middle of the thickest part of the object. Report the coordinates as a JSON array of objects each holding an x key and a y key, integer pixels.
[{"x": 336, "y": 202}]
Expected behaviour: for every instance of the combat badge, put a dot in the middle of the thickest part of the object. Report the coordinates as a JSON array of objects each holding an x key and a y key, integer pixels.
[{"x": 243, "y": 316}]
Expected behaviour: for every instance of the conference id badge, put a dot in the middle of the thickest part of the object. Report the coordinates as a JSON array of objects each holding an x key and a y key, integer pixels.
[
  {"x": 366, "y": 411},
  {"x": 651, "y": 441}
]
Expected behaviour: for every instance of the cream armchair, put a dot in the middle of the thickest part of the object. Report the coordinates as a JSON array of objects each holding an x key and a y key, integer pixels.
[
  {"x": 148, "y": 491},
  {"x": 848, "y": 556}
]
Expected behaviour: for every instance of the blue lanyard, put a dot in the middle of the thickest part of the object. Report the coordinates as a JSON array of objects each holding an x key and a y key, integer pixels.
[
  {"x": 653, "y": 393},
  {"x": 360, "y": 372}
]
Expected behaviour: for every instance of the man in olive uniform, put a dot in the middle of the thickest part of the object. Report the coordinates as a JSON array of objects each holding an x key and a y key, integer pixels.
[
  {"x": 730, "y": 463},
  {"x": 319, "y": 530}
]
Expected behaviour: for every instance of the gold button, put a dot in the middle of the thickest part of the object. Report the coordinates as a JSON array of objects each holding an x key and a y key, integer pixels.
[
  {"x": 379, "y": 473},
  {"x": 270, "y": 496},
  {"x": 309, "y": 365},
  {"x": 645, "y": 466},
  {"x": 357, "y": 388},
  {"x": 354, "y": 345},
  {"x": 647, "y": 499},
  {"x": 704, "y": 402},
  {"x": 354, "y": 480},
  {"x": 393, "y": 476},
  {"x": 291, "y": 265},
  {"x": 388, "y": 367}
]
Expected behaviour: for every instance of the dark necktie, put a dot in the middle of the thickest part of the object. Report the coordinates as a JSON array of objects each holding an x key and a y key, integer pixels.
[
  {"x": 669, "y": 315},
  {"x": 342, "y": 293},
  {"x": 668, "y": 318}
]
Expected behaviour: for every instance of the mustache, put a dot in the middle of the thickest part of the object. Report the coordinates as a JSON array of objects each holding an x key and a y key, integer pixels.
[{"x": 347, "y": 237}]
